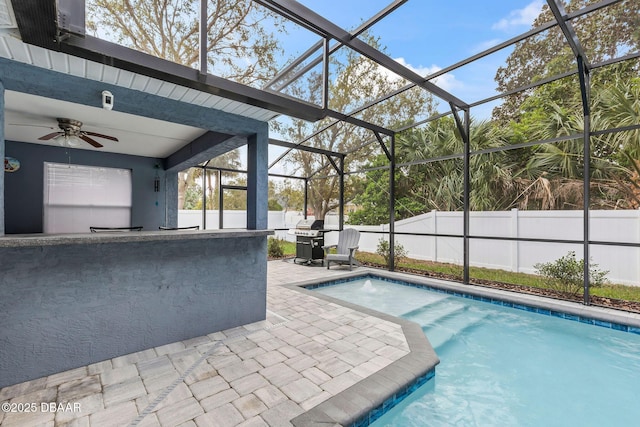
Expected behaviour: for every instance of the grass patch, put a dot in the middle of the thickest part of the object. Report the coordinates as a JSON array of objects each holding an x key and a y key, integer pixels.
[
  {"x": 436, "y": 267},
  {"x": 628, "y": 293},
  {"x": 289, "y": 248}
]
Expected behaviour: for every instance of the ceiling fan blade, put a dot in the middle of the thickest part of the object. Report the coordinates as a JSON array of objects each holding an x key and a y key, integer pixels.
[
  {"x": 90, "y": 141},
  {"x": 51, "y": 135},
  {"x": 99, "y": 135}
]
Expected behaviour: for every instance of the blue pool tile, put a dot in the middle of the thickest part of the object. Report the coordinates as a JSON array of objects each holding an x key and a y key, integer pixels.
[
  {"x": 363, "y": 422},
  {"x": 587, "y": 320},
  {"x": 388, "y": 404},
  {"x": 619, "y": 327},
  {"x": 375, "y": 414},
  {"x": 602, "y": 323},
  {"x": 414, "y": 387},
  {"x": 633, "y": 330},
  {"x": 404, "y": 392}
]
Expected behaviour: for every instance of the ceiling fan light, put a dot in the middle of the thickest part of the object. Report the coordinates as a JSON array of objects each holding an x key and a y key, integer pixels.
[{"x": 71, "y": 141}]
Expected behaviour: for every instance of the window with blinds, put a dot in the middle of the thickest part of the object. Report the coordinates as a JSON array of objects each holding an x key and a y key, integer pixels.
[{"x": 77, "y": 197}]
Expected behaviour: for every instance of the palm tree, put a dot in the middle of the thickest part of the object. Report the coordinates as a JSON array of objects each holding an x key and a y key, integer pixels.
[
  {"x": 619, "y": 106},
  {"x": 440, "y": 184},
  {"x": 554, "y": 174},
  {"x": 437, "y": 185}
]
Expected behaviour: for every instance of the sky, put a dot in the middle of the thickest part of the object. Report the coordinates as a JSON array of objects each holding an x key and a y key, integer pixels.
[{"x": 428, "y": 35}]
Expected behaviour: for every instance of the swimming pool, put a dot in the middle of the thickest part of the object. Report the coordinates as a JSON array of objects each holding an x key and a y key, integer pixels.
[{"x": 507, "y": 367}]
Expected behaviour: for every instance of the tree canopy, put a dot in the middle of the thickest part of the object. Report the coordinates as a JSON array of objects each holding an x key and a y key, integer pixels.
[
  {"x": 605, "y": 34},
  {"x": 241, "y": 40},
  {"x": 355, "y": 81},
  {"x": 372, "y": 196}
]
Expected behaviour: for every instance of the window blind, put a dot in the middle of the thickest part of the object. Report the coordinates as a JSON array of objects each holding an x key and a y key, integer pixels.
[{"x": 77, "y": 197}]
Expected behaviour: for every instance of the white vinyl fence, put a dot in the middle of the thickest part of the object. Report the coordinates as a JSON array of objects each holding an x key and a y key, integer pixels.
[
  {"x": 231, "y": 219},
  {"x": 238, "y": 219},
  {"x": 622, "y": 226}
]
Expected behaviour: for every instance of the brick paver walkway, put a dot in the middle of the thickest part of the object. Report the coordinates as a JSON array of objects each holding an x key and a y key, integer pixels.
[{"x": 263, "y": 374}]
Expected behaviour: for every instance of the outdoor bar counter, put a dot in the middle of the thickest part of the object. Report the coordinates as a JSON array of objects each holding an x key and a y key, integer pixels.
[{"x": 72, "y": 300}]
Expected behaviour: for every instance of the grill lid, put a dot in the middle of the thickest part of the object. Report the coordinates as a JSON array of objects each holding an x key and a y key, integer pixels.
[{"x": 310, "y": 224}]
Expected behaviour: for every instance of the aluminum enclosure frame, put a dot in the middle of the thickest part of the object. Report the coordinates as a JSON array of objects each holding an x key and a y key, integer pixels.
[{"x": 583, "y": 73}]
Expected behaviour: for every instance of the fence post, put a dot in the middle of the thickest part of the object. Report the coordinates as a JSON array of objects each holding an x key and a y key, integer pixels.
[
  {"x": 637, "y": 272},
  {"x": 434, "y": 228},
  {"x": 515, "y": 245}
]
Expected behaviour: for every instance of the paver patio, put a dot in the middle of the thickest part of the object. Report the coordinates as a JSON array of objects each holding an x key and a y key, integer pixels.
[
  {"x": 262, "y": 374},
  {"x": 312, "y": 361}
]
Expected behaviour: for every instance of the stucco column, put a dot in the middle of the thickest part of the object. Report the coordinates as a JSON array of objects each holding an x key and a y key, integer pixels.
[
  {"x": 2, "y": 154},
  {"x": 171, "y": 199},
  {"x": 258, "y": 179}
]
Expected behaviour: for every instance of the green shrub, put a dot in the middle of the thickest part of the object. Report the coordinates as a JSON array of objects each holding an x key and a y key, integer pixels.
[
  {"x": 275, "y": 247},
  {"x": 399, "y": 251},
  {"x": 566, "y": 274}
]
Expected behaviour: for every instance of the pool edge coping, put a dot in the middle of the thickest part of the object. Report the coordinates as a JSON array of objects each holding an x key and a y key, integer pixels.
[{"x": 350, "y": 405}]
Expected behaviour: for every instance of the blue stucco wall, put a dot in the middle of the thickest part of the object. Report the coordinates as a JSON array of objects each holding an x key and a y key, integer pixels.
[
  {"x": 2, "y": 154},
  {"x": 171, "y": 196},
  {"x": 24, "y": 189},
  {"x": 66, "y": 306},
  {"x": 257, "y": 185}
]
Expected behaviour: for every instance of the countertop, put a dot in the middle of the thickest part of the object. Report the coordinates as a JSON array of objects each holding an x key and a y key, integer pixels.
[{"x": 33, "y": 240}]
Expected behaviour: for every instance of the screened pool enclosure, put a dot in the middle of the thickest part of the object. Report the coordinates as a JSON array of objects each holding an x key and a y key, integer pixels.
[{"x": 525, "y": 145}]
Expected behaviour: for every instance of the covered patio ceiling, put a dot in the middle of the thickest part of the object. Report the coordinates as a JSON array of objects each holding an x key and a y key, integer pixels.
[{"x": 29, "y": 117}]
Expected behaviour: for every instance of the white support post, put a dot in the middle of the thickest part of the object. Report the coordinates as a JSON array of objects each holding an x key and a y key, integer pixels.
[
  {"x": 637, "y": 272},
  {"x": 434, "y": 230},
  {"x": 515, "y": 245}
]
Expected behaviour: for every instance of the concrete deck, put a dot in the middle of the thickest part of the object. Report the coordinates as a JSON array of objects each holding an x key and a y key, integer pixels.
[{"x": 269, "y": 373}]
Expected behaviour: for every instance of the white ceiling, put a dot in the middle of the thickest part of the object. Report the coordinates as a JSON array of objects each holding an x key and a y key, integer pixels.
[{"x": 28, "y": 117}]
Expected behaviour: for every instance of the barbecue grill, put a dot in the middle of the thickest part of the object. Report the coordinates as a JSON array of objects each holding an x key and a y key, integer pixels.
[{"x": 309, "y": 240}]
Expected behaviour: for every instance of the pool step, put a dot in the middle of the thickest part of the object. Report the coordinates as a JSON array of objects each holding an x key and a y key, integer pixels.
[
  {"x": 451, "y": 327},
  {"x": 410, "y": 307},
  {"x": 435, "y": 312}
]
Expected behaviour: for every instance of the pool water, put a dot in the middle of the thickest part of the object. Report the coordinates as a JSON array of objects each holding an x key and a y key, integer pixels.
[{"x": 501, "y": 366}]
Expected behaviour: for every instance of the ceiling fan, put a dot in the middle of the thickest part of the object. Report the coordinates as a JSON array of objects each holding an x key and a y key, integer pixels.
[{"x": 71, "y": 132}]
